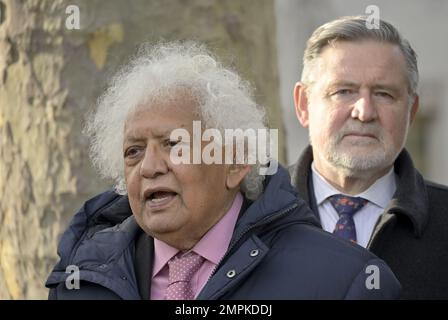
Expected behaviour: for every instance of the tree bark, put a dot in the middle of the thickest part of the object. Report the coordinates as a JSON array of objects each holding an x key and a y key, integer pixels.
[{"x": 50, "y": 77}]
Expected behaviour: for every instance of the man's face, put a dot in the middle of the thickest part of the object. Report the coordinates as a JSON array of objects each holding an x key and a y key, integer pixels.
[
  {"x": 358, "y": 110},
  {"x": 174, "y": 203}
]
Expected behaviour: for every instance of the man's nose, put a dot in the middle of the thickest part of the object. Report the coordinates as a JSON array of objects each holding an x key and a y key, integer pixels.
[
  {"x": 153, "y": 163},
  {"x": 364, "y": 109}
]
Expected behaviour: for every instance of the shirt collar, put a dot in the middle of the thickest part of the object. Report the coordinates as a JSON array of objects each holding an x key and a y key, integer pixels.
[
  {"x": 162, "y": 254},
  {"x": 212, "y": 246},
  {"x": 379, "y": 193}
]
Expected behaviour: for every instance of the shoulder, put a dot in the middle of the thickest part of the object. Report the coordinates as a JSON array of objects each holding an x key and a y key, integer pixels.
[
  {"x": 318, "y": 255},
  {"x": 436, "y": 188},
  {"x": 319, "y": 242},
  {"x": 105, "y": 210},
  {"x": 100, "y": 202},
  {"x": 437, "y": 196}
]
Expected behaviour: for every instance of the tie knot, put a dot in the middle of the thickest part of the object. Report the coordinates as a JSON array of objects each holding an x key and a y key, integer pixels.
[
  {"x": 184, "y": 267},
  {"x": 347, "y": 205}
]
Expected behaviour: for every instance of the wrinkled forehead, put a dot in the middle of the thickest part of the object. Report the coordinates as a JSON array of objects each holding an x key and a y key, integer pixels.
[{"x": 159, "y": 118}]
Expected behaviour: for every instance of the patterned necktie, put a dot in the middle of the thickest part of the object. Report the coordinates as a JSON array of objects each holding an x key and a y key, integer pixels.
[
  {"x": 346, "y": 207},
  {"x": 181, "y": 270}
]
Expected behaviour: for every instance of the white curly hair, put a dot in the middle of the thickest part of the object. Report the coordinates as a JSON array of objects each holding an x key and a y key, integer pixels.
[{"x": 225, "y": 101}]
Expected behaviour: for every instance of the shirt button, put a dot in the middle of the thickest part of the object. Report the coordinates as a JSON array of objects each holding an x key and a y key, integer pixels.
[
  {"x": 231, "y": 273},
  {"x": 254, "y": 253}
]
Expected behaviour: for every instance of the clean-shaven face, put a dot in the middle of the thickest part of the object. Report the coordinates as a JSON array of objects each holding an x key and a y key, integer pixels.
[{"x": 178, "y": 203}]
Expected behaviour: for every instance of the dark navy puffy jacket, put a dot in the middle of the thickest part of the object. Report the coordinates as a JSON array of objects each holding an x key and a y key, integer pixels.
[{"x": 277, "y": 252}]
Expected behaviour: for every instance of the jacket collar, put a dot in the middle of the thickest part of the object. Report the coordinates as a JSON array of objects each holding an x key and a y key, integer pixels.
[
  {"x": 410, "y": 199},
  {"x": 101, "y": 257},
  {"x": 278, "y": 194}
]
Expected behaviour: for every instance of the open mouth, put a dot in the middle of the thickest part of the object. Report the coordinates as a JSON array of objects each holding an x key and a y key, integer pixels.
[{"x": 159, "y": 198}]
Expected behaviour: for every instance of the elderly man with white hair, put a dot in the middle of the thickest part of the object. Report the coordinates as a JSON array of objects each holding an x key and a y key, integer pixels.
[{"x": 197, "y": 230}]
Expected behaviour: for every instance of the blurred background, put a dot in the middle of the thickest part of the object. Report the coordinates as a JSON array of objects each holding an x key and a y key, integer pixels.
[{"x": 51, "y": 73}]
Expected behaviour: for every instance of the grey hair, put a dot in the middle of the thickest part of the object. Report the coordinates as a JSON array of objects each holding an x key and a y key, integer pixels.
[
  {"x": 353, "y": 28},
  {"x": 224, "y": 101}
]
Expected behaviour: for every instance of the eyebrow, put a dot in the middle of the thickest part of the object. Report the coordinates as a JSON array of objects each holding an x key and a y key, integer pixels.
[
  {"x": 132, "y": 138},
  {"x": 337, "y": 84},
  {"x": 350, "y": 84},
  {"x": 389, "y": 87},
  {"x": 334, "y": 84}
]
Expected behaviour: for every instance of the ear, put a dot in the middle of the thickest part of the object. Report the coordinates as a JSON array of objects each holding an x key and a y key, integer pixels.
[
  {"x": 301, "y": 103},
  {"x": 236, "y": 174},
  {"x": 414, "y": 108}
]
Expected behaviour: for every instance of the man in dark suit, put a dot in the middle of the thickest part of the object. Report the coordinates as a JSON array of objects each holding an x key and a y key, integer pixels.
[{"x": 358, "y": 97}]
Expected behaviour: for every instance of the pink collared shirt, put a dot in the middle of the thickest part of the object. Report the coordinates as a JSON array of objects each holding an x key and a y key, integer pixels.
[{"x": 212, "y": 247}]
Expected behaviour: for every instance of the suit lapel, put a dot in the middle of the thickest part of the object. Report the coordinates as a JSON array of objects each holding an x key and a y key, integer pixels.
[
  {"x": 302, "y": 179},
  {"x": 312, "y": 197}
]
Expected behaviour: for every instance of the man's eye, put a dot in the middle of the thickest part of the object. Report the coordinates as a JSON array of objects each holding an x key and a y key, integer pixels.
[
  {"x": 383, "y": 94},
  {"x": 171, "y": 143},
  {"x": 343, "y": 92},
  {"x": 131, "y": 152}
]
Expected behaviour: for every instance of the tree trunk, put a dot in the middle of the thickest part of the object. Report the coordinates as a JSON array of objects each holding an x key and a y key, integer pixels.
[{"x": 50, "y": 77}]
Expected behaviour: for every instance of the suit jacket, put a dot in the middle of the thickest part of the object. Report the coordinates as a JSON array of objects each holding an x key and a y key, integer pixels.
[
  {"x": 277, "y": 251},
  {"x": 412, "y": 233}
]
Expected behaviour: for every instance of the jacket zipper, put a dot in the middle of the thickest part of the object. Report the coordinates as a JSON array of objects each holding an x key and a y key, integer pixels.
[{"x": 268, "y": 219}]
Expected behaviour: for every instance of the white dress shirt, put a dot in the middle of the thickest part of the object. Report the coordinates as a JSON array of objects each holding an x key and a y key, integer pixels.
[{"x": 378, "y": 194}]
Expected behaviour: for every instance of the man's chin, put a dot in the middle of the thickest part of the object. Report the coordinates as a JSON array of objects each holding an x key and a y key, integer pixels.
[
  {"x": 158, "y": 224},
  {"x": 359, "y": 160},
  {"x": 354, "y": 144}
]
